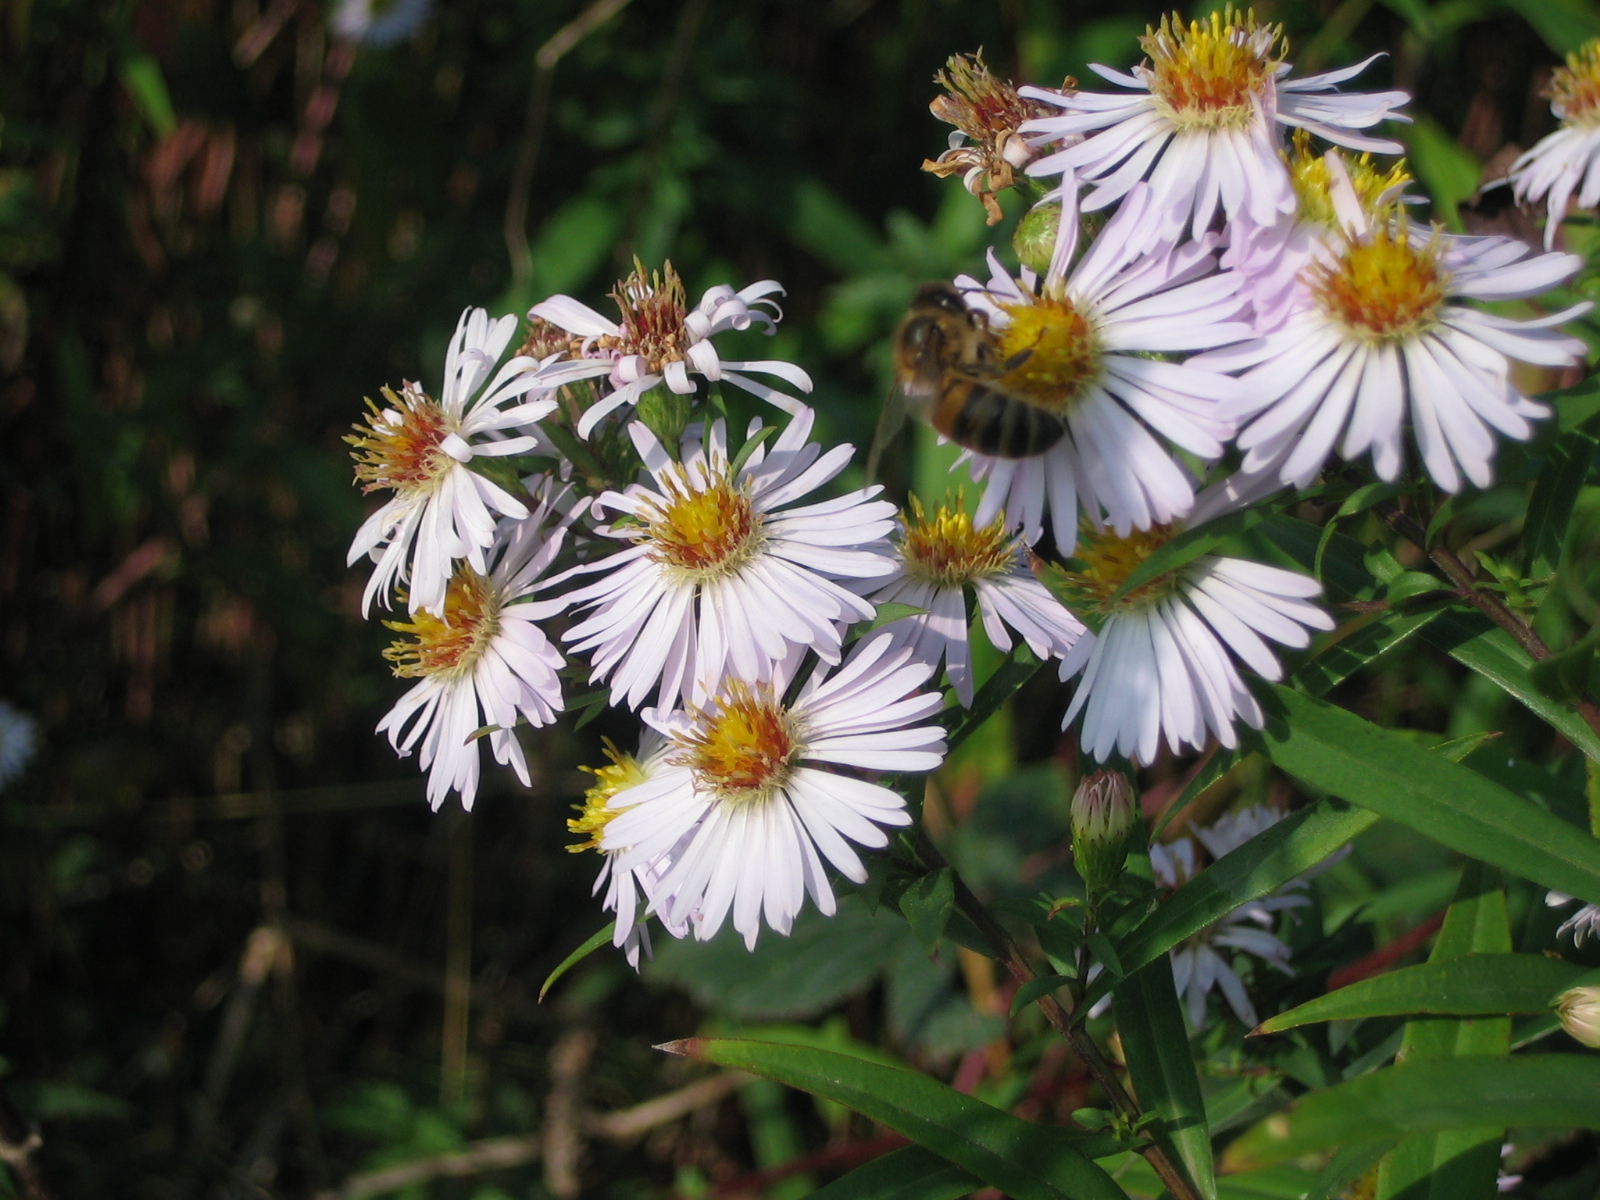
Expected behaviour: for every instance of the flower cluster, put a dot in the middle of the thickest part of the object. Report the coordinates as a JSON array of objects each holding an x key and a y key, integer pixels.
[{"x": 585, "y": 513}]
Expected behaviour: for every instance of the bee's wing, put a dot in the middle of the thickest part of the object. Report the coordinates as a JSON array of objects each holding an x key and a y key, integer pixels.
[{"x": 890, "y": 421}]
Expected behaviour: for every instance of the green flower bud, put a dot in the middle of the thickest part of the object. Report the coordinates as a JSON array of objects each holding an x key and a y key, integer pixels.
[
  {"x": 1035, "y": 238},
  {"x": 1579, "y": 1010},
  {"x": 1105, "y": 817}
]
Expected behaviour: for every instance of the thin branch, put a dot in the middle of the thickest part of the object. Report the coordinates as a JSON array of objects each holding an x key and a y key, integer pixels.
[
  {"x": 533, "y": 123},
  {"x": 1060, "y": 1019},
  {"x": 497, "y": 1154}
]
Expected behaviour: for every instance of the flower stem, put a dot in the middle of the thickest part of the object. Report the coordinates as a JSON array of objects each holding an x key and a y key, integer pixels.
[{"x": 1089, "y": 1053}]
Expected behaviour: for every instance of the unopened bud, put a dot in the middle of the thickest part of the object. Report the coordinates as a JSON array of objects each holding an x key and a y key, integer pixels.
[
  {"x": 1104, "y": 818},
  {"x": 1579, "y": 1010},
  {"x": 1035, "y": 238}
]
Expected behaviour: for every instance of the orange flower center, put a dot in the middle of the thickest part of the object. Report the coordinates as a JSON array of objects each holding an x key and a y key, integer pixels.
[
  {"x": 1382, "y": 288},
  {"x": 1574, "y": 89},
  {"x": 1207, "y": 74},
  {"x": 1103, "y": 562},
  {"x": 653, "y": 309},
  {"x": 399, "y": 447},
  {"x": 744, "y": 746},
  {"x": 948, "y": 550},
  {"x": 449, "y": 646},
  {"x": 702, "y": 527},
  {"x": 1056, "y": 350}
]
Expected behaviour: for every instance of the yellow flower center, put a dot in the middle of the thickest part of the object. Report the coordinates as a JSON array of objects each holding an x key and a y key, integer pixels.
[
  {"x": 653, "y": 309},
  {"x": 744, "y": 746},
  {"x": 1308, "y": 171},
  {"x": 1382, "y": 288},
  {"x": 1056, "y": 349},
  {"x": 1574, "y": 89},
  {"x": 1207, "y": 74},
  {"x": 948, "y": 550},
  {"x": 449, "y": 646},
  {"x": 703, "y": 527},
  {"x": 621, "y": 773},
  {"x": 399, "y": 447},
  {"x": 1105, "y": 560}
]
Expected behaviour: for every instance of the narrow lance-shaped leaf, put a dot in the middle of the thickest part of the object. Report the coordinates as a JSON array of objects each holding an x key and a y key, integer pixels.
[
  {"x": 1478, "y": 985},
  {"x": 1023, "y": 1160},
  {"x": 1544, "y": 531},
  {"x": 1155, "y": 1042},
  {"x": 599, "y": 938},
  {"x": 910, "y": 1173},
  {"x": 1429, "y": 1096},
  {"x": 1341, "y": 753},
  {"x": 1454, "y": 1163}
]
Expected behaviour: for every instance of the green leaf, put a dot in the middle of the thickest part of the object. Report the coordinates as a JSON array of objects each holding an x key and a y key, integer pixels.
[
  {"x": 1475, "y": 986},
  {"x": 1475, "y": 642},
  {"x": 1447, "y": 172},
  {"x": 1263, "y": 864},
  {"x": 1222, "y": 761},
  {"x": 1104, "y": 953},
  {"x": 1429, "y": 1096},
  {"x": 1345, "y": 1167},
  {"x": 1034, "y": 989},
  {"x": 1544, "y": 531},
  {"x": 599, "y": 938},
  {"x": 1359, "y": 500},
  {"x": 141, "y": 75},
  {"x": 1023, "y": 1160},
  {"x": 1563, "y": 24},
  {"x": 1188, "y": 546},
  {"x": 910, "y": 1173},
  {"x": 751, "y": 444},
  {"x": 927, "y": 904},
  {"x": 891, "y": 611},
  {"x": 1569, "y": 675},
  {"x": 1359, "y": 648},
  {"x": 1012, "y": 674},
  {"x": 1413, "y": 583},
  {"x": 1155, "y": 1043},
  {"x": 1341, "y": 753},
  {"x": 1459, "y": 1162}
]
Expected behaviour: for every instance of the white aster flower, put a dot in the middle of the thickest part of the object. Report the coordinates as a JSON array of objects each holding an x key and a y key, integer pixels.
[
  {"x": 1083, "y": 344},
  {"x": 1566, "y": 163},
  {"x": 723, "y": 573},
  {"x": 19, "y": 740},
  {"x": 481, "y": 661},
  {"x": 1161, "y": 664},
  {"x": 1201, "y": 123},
  {"x": 1583, "y": 924},
  {"x": 628, "y": 892},
  {"x": 1273, "y": 258},
  {"x": 421, "y": 448},
  {"x": 941, "y": 557},
  {"x": 1374, "y": 339},
  {"x": 757, "y": 783},
  {"x": 661, "y": 340},
  {"x": 1197, "y": 965}
]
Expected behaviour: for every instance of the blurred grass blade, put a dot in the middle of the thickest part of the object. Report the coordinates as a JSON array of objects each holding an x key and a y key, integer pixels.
[
  {"x": 1339, "y": 752},
  {"x": 1429, "y": 1096},
  {"x": 1025, "y": 1161},
  {"x": 1263, "y": 864},
  {"x": 1345, "y": 1168},
  {"x": 1478, "y": 985},
  {"x": 598, "y": 939},
  {"x": 1222, "y": 761},
  {"x": 910, "y": 1173},
  {"x": 1155, "y": 1042},
  {"x": 1563, "y": 24},
  {"x": 141, "y": 75}
]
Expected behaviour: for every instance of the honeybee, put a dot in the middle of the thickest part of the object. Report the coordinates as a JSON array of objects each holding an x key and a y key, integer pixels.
[{"x": 950, "y": 374}]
